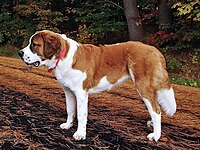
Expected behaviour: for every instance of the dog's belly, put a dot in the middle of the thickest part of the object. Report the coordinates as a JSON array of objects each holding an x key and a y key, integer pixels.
[{"x": 105, "y": 85}]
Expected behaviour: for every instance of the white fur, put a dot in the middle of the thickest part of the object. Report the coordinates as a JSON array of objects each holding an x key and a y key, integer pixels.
[
  {"x": 104, "y": 85},
  {"x": 132, "y": 75},
  {"x": 71, "y": 108},
  {"x": 73, "y": 79},
  {"x": 167, "y": 101},
  {"x": 149, "y": 123},
  {"x": 82, "y": 113},
  {"x": 49, "y": 63},
  {"x": 156, "y": 119},
  {"x": 29, "y": 57}
]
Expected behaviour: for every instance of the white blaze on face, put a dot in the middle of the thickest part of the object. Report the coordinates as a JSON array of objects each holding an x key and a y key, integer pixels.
[{"x": 29, "y": 57}]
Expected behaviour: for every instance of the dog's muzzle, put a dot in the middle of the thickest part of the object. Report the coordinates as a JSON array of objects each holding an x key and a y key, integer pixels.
[{"x": 36, "y": 63}]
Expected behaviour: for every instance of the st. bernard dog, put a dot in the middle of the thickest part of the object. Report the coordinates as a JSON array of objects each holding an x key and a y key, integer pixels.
[{"x": 82, "y": 69}]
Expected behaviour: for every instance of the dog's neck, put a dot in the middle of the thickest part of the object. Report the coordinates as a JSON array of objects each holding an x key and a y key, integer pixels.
[
  {"x": 59, "y": 59},
  {"x": 63, "y": 62}
]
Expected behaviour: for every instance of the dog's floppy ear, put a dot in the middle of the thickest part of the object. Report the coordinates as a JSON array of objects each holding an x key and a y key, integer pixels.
[{"x": 52, "y": 44}]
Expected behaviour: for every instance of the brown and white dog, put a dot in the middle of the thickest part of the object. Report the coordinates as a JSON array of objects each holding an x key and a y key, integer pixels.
[{"x": 82, "y": 69}]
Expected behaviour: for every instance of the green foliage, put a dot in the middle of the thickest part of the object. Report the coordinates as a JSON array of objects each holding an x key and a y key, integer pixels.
[
  {"x": 183, "y": 34},
  {"x": 173, "y": 63},
  {"x": 187, "y": 27},
  {"x": 190, "y": 9},
  {"x": 165, "y": 26},
  {"x": 21, "y": 19},
  {"x": 195, "y": 58},
  {"x": 41, "y": 15},
  {"x": 176, "y": 47},
  {"x": 92, "y": 20},
  {"x": 9, "y": 28},
  {"x": 187, "y": 82},
  {"x": 188, "y": 36},
  {"x": 88, "y": 19},
  {"x": 100, "y": 17},
  {"x": 38, "y": 16}
]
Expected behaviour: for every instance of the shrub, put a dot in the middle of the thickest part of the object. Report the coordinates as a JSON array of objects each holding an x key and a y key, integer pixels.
[
  {"x": 9, "y": 28},
  {"x": 173, "y": 64},
  {"x": 20, "y": 19}
]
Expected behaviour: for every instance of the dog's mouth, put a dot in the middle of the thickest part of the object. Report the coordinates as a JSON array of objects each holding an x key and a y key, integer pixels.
[{"x": 36, "y": 64}]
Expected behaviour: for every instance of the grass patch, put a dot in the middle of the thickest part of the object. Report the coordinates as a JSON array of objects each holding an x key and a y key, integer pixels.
[{"x": 187, "y": 82}]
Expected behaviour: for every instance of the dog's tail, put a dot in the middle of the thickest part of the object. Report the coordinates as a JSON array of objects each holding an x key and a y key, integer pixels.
[{"x": 167, "y": 100}]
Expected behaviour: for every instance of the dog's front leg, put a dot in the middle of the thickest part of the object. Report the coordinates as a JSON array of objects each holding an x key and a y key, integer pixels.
[
  {"x": 82, "y": 113},
  {"x": 71, "y": 108}
]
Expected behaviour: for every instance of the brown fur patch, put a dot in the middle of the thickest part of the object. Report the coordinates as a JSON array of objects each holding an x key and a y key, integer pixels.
[
  {"x": 99, "y": 62},
  {"x": 47, "y": 44}
]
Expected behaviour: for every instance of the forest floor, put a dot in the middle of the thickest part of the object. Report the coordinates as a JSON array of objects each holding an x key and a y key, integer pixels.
[{"x": 32, "y": 106}]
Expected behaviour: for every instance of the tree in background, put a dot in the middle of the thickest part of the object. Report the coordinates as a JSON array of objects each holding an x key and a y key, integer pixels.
[
  {"x": 165, "y": 16},
  {"x": 133, "y": 20}
]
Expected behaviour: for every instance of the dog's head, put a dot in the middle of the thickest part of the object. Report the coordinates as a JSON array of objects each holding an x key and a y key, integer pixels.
[{"x": 43, "y": 45}]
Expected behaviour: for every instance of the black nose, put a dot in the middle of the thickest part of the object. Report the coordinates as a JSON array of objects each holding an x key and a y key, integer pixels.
[{"x": 21, "y": 53}]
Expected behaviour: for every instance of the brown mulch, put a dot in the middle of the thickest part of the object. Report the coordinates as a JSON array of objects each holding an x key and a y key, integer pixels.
[{"x": 33, "y": 106}]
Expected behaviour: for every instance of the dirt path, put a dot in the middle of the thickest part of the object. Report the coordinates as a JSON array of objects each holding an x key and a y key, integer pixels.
[{"x": 33, "y": 106}]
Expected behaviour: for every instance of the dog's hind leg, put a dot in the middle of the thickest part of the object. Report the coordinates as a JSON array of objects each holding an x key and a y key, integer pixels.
[
  {"x": 148, "y": 95},
  {"x": 156, "y": 121},
  {"x": 154, "y": 111}
]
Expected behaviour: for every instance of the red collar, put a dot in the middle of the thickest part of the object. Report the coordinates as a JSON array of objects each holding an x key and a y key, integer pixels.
[{"x": 60, "y": 57}]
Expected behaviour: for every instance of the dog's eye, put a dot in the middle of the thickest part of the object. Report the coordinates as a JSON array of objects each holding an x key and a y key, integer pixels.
[{"x": 33, "y": 45}]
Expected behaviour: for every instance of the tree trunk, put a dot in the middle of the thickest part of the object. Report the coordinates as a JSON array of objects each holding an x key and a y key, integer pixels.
[
  {"x": 165, "y": 16},
  {"x": 133, "y": 20}
]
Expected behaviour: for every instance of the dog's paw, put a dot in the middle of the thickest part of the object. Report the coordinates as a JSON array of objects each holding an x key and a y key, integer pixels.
[
  {"x": 79, "y": 135},
  {"x": 149, "y": 123},
  {"x": 66, "y": 125},
  {"x": 153, "y": 136}
]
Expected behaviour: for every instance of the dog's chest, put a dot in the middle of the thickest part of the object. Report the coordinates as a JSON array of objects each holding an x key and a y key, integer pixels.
[{"x": 72, "y": 79}]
